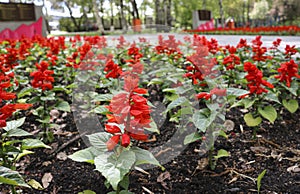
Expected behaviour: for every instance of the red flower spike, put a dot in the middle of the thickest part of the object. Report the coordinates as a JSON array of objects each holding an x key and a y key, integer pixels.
[
  {"x": 287, "y": 71},
  {"x": 255, "y": 79}
]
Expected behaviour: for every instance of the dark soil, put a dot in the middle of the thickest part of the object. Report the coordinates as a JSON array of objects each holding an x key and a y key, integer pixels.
[{"x": 275, "y": 149}]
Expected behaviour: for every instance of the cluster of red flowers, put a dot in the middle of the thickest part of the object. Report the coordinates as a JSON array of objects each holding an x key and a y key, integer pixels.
[
  {"x": 231, "y": 60},
  {"x": 201, "y": 66},
  {"x": 169, "y": 46},
  {"x": 42, "y": 78},
  {"x": 276, "y": 43},
  {"x": 130, "y": 110},
  {"x": 130, "y": 113},
  {"x": 258, "y": 50},
  {"x": 287, "y": 71},
  {"x": 290, "y": 50},
  {"x": 79, "y": 55},
  {"x": 113, "y": 70},
  {"x": 242, "y": 44},
  {"x": 7, "y": 62},
  {"x": 214, "y": 91},
  {"x": 255, "y": 80},
  {"x": 252, "y": 30}
]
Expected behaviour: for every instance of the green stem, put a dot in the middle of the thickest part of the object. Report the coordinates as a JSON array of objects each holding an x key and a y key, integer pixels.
[
  {"x": 118, "y": 190},
  {"x": 13, "y": 189}
]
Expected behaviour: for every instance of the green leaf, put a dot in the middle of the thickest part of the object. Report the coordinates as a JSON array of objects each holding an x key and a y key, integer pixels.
[
  {"x": 200, "y": 121},
  {"x": 102, "y": 97},
  {"x": 272, "y": 97},
  {"x": 34, "y": 184},
  {"x": 222, "y": 153},
  {"x": 291, "y": 105},
  {"x": 25, "y": 92},
  {"x": 10, "y": 125},
  {"x": 30, "y": 58},
  {"x": 47, "y": 98},
  {"x": 156, "y": 81},
  {"x": 33, "y": 143},
  {"x": 34, "y": 100},
  {"x": 223, "y": 134},
  {"x": 125, "y": 192},
  {"x": 44, "y": 120},
  {"x": 24, "y": 153},
  {"x": 98, "y": 140},
  {"x": 85, "y": 155},
  {"x": 114, "y": 167},
  {"x": 294, "y": 87},
  {"x": 259, "y": 178},
  {"x": 10, "y": 177},
  {"x": 100, "y": 109},
  {"x": 63, "y": 106},
  {"x": 236, "y": 92},
  {"x": 268, "y": 112},
  {"x": 125, "y": 182},
  {"x": 153, "y": 128},
  {"x": 250, "y": 121},
  {"x": 248, "y": 103},
  {"x": 171, "y": 90},
  {"x": 58, "y": 89},
  {"x": 144, "y": 157},
  {"x": 192, "y": 138},
  {"x": 17, "y": 133},
  {"x": 87, "y": 192}
]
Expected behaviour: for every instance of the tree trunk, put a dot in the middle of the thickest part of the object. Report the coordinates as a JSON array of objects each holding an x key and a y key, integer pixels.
[
  {"x": 135, "y": 10},
  {"x": 169, "y": 16},
  {"x": 111, "y": 15},
  {"x": 123, "y": 19},
  {"x": 77, "y": 26},
  {"x": 98, "y": 18},
  {"x": 157, "y": 5},
  {"x": 221, "y": 13}
]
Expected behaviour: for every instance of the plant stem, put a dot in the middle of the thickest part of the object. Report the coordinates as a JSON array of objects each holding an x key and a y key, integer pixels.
[{"x": 13, "y": 189}]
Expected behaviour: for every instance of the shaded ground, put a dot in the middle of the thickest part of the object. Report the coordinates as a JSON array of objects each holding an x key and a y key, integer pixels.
[{"x": 276, "y": 149}]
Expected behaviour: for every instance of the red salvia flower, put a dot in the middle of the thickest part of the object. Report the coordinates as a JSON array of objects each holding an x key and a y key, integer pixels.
[
  {"x": 113, "y": 70},
  {"x": 8, "y": 109},
  {"x": 231, "y": 60},
  {"x": 130, "y": 109},
  {"x": 255, "y": 80},
  {"x": 287, "y": 71},
  {"x": 214, "y": 91},
  {"x": 42, "y": 78},
  {"x": 290, "y": 50}
]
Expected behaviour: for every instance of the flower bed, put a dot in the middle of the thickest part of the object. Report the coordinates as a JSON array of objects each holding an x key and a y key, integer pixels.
[
  {"x": 138, "y": 104},
  {"x": 263, "y": 30}
]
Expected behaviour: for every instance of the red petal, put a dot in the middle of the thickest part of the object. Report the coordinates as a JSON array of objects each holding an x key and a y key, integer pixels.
[
  {"x": 22, "y": 106},
  {"x": 140, "y": 91},
  {"x": 141, "y": 137},
  {"x": 112, "y": 128}
]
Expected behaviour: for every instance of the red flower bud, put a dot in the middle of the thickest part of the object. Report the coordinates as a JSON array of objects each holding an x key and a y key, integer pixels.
[
  {"x": 112, "y": 142},
  {"x": 125, "y": 140}
]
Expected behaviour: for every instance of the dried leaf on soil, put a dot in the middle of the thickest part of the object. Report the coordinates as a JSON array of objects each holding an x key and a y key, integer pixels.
[{"x": 47, "y": 178}]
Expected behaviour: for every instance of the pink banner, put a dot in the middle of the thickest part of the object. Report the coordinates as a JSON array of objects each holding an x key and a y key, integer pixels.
[
  {"x": 23, "y": 30},
  {"x": 209, "y": 25}
]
